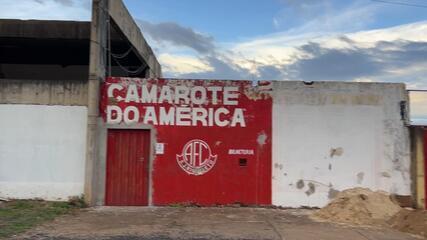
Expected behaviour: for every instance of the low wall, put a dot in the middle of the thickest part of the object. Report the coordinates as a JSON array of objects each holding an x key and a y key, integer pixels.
[
  {"x": 42, "y": 151},
  {"x": 330, "y": 136},
  {"x": 326, "y": 137}
]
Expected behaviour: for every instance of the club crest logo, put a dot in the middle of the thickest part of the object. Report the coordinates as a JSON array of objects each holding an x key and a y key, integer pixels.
[{"x": 196, "y": 157}]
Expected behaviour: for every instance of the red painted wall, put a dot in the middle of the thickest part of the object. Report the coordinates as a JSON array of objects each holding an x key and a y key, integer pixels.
[{"x": 217, "y": 177}]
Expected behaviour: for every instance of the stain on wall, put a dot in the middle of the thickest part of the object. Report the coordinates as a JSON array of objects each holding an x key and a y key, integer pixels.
[
  {"x": 360, "y": 177},
  {"x": 300, "y": 184},
  {"x": 311, "y": 189},
  {"x": 336, "y": 152},
  {"x": 279, "y": 166},
  {"x": 262, "y": 138}
]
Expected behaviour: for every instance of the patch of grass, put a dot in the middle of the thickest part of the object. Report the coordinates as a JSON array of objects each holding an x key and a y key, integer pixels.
[
  {"x": 20, "y": 215},
  {"x": 176, "y": 205},
  {"x": 183, "y": 204}
]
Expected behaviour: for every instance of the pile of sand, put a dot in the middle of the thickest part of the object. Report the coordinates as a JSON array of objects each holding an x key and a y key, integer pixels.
[
  {"x": 411, "y": 221},
  {"x": 359, "y": 206}
]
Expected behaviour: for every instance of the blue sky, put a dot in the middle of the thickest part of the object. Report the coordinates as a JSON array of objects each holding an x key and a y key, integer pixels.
[
  {"x": 241, "y": 19},
  {"x": 225, "y": 20},
  {"x": 310, "y": 40}
]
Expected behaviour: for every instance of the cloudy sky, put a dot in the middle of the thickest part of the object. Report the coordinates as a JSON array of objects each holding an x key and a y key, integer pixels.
[{"x": 311, "y": 40}]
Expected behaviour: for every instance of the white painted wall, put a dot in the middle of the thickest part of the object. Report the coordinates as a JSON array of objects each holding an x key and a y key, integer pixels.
[
  {"x": 42, "y": 151},
  {"x": 333, "y": 136}
]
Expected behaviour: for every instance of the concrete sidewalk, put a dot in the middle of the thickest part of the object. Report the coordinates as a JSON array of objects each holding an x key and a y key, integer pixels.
[{"x": 202, "y": 223}]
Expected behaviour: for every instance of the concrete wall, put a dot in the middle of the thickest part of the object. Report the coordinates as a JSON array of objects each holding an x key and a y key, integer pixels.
[
  {"x": 42, "y": 151},
  {"x": 330, "y": 136},
  {"x": 48, "y": 92}
]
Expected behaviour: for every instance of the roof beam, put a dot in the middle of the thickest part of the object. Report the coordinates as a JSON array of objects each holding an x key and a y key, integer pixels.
[{"x": 124, "y": 21}]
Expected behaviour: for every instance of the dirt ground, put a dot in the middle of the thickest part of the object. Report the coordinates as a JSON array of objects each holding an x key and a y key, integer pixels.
[
  {"x": 412, "y": 221},
  {"x": 201, "y": 223}
]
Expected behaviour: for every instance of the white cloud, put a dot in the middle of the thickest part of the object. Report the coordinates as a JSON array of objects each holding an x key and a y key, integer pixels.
[
  {"x": 283, "y": 46},
  {"x": 411, "y": 32},
  {"x": 182, "y": 64}
]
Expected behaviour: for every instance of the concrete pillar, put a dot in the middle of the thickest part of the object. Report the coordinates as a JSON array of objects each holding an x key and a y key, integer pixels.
[
  {"x": 97, "y": 73},
  {"x": 418, "y": 168},
  {"x": 104, "y": 11}
]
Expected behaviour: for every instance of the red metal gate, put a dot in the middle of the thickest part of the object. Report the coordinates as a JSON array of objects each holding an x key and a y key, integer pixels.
[{"x": 127, "y": 167}]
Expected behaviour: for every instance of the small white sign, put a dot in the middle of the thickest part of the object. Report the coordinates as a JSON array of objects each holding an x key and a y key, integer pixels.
[
  {"x": 160, "y": 148},
  {"x": 240, "y": 151}
]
